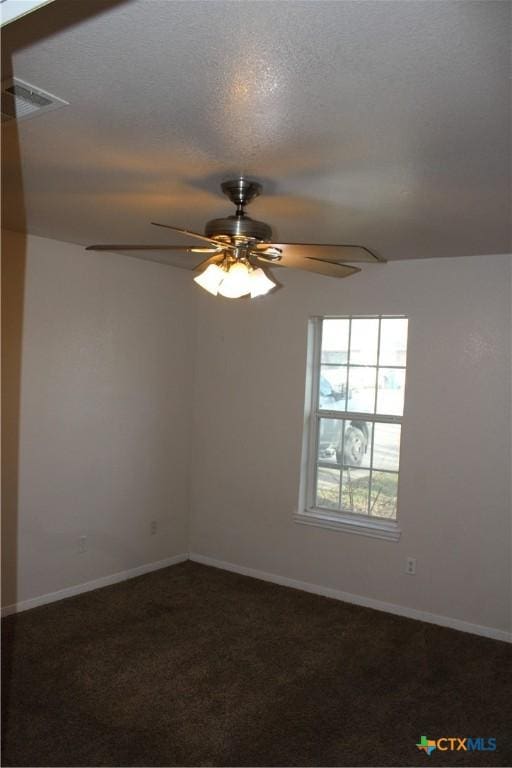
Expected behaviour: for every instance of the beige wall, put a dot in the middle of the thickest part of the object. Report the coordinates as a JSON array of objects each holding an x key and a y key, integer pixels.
[
  {"x": 455, "y": 460},
  {"x": 96, "y": 423},
  {"x": 100, "y": 398}
]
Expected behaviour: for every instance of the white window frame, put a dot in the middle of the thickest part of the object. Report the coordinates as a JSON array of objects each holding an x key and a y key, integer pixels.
[{"x": 308, "y": 513}]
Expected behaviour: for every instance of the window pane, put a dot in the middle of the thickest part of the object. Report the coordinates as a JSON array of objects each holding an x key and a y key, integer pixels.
[
  {"x": 332, "y": 389},
  {"x": 363, "y": 341},
  {"x": 335, "y": 341},
  {"x": 357, "y": 444},
  {"x": 384, "y": 493},
  {"x": 386, "y": 446},
  {"x": 327, "y": 487},
  {"x": 361, "y": 389},
  {"x": 361, "y": 378},
  {"x": 393, "y": 341},
  {"x": 354, "y": 490},
  {"x": 390, "y": 396},
  {"x": 329, "y": 439}
]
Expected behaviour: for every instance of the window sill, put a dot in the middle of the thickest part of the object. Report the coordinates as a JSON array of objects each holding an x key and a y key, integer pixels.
[{"x": 377, "y": 529}]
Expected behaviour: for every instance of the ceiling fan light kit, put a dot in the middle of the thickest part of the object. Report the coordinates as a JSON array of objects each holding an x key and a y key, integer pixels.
[
  {"x": 237, "y": 246},
  {"x": 235, "y": 280}
]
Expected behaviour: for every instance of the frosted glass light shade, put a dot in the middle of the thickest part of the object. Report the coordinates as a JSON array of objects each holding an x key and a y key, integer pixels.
[
  {"x": 236, "y": 282},
  {"x": 260, "y": 283},
  {"x": 211, "y": 278}
]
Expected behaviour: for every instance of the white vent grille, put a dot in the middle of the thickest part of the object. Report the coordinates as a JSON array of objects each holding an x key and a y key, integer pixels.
[{"x": 20, "y": 100}]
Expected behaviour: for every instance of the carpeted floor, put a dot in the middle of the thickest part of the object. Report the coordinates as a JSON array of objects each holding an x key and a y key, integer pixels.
[{"x": 193, "y": 666}]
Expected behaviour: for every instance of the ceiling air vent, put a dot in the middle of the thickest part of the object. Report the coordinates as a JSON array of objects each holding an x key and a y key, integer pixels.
[{"x": 21, "y": 100}]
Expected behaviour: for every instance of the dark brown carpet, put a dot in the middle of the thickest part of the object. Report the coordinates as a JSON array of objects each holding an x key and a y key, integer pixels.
[{"x": 194, "y": 666}]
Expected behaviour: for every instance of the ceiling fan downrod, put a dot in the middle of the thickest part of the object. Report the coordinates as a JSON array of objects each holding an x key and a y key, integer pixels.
[{"x": 240, "y": 191}]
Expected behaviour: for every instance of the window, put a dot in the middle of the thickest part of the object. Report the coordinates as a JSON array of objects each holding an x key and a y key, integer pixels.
[{"x": 354, "y": 421}]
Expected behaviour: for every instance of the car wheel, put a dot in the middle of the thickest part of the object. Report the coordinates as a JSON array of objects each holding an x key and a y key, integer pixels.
[{"x": 354, "y": 447}]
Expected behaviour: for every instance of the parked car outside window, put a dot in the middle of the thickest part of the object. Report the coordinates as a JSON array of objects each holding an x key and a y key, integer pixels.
[{"x": 357, "y": 433}]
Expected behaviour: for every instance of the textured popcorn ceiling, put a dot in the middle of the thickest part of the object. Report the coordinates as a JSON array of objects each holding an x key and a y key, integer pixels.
[{"x": 385, "y": 124}]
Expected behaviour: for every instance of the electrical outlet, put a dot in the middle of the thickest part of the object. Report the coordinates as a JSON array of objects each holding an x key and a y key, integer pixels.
[
  {"x": 410, "y": 566},
  {"x": 154, "y": 527},
  {"x": 82, "y": 545}
]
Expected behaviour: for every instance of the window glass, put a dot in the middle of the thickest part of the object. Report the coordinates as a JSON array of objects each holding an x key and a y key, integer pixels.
[
  {"x": 332, "y": 389},
  {"x": 361, "y": 381},
  {"x": 335, "y": 341},
  {"x": 390, "y": 396},
  {"x": 355, "y": 489},
  {"x": 364, "y": 335},
  {"x": 357, "y": 443},
  {"x": 361, "y": 390},
  {"x": 384, "y": 494},
  {"x": 328, "y": 488},
  {"x": 386, "y": 446},
  {"x": 329, "y": 440},
  {"x": 393, "y": 341}
]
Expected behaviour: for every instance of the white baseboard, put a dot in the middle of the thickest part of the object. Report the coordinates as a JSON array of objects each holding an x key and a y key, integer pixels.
[
  {"x": 104, "y": 581},
  {"x": 347, "y": 597},
  {"x": 317, "y": 589}
]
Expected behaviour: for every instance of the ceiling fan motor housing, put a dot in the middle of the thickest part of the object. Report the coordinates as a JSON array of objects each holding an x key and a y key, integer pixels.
[
  {"x": 238, "y": 226},
  {"x": 240, "y": 191}
]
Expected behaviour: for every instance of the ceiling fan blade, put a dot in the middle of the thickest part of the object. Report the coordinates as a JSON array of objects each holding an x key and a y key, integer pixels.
[
  {"x": 329, "y": 268},
  {"x": 333, "y": 253},
  {"x": 193, "y": 234},
  {"x": 310, "y": 264},
  {"x": 121, "y": 247}
]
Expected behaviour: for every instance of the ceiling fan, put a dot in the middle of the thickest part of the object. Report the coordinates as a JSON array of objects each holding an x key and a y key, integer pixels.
[{"x": 240, "y": 248}]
